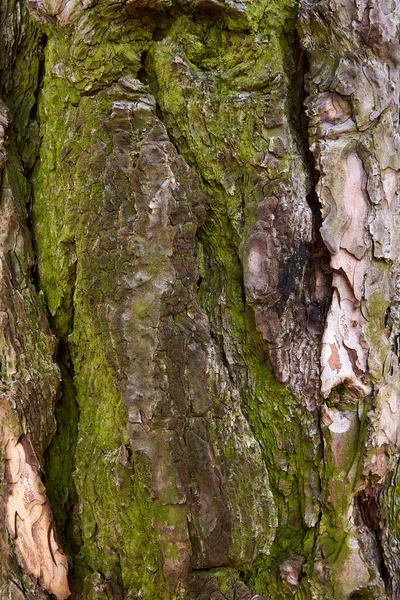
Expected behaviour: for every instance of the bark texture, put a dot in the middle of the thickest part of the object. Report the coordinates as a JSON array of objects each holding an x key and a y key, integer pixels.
[{"x": 199, "y": 300}]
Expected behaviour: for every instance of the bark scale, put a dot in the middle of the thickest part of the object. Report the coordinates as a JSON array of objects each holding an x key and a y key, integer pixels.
[{"x": 199, "y": 300}]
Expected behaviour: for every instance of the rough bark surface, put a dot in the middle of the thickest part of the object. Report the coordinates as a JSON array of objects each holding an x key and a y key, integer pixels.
[{"x": 199, "y": 300}]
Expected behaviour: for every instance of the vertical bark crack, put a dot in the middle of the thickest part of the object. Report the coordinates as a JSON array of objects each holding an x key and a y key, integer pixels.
[
  {"x": 319, "y": 272},
  {"x": 60, "y": 454},
  {"x": 369, "y": 502}
]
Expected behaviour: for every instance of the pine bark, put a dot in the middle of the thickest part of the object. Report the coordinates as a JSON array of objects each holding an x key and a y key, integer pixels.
[{"x": 199, "y": 300}]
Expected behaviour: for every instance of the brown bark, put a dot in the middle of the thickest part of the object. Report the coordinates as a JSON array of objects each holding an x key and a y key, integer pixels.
[{"x": 199, "y": 300}]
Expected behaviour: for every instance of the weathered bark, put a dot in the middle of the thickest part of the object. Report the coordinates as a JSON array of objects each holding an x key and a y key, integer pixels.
[{"x": 199, "y": 300}]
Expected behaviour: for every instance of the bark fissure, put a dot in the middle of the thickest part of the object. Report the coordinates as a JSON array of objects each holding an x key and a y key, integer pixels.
[
  {"x": 369, "y": 506},
  {"x": 58, "y": 460},
  {"x": 205, "y": 243}
]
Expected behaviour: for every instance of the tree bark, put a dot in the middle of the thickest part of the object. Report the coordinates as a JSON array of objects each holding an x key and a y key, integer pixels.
[{"x": 199, "y": 300}]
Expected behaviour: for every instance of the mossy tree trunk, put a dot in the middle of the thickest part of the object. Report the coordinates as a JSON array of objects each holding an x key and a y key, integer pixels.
[{"x": 199, "y": 300}]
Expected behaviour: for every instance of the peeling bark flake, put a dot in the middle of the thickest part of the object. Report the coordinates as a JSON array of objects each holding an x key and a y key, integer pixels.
[{"x": 29, "y": 520}]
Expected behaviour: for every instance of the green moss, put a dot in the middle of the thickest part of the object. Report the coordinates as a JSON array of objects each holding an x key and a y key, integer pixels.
[
  {"x": 223, "y": 101},
  {"x": 214, "y": 99},
  {"x": 115, "y": 536},
  {"x": 60, "y": 458}
]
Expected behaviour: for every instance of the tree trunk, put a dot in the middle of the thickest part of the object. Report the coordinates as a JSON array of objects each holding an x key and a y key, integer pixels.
[{"x": 199, "y": 300}]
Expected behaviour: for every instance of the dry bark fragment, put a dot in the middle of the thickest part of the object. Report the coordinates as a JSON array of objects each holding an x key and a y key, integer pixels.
[
  {"x": 353, "y": 102},
  {"x": 29, "y": 520}
]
